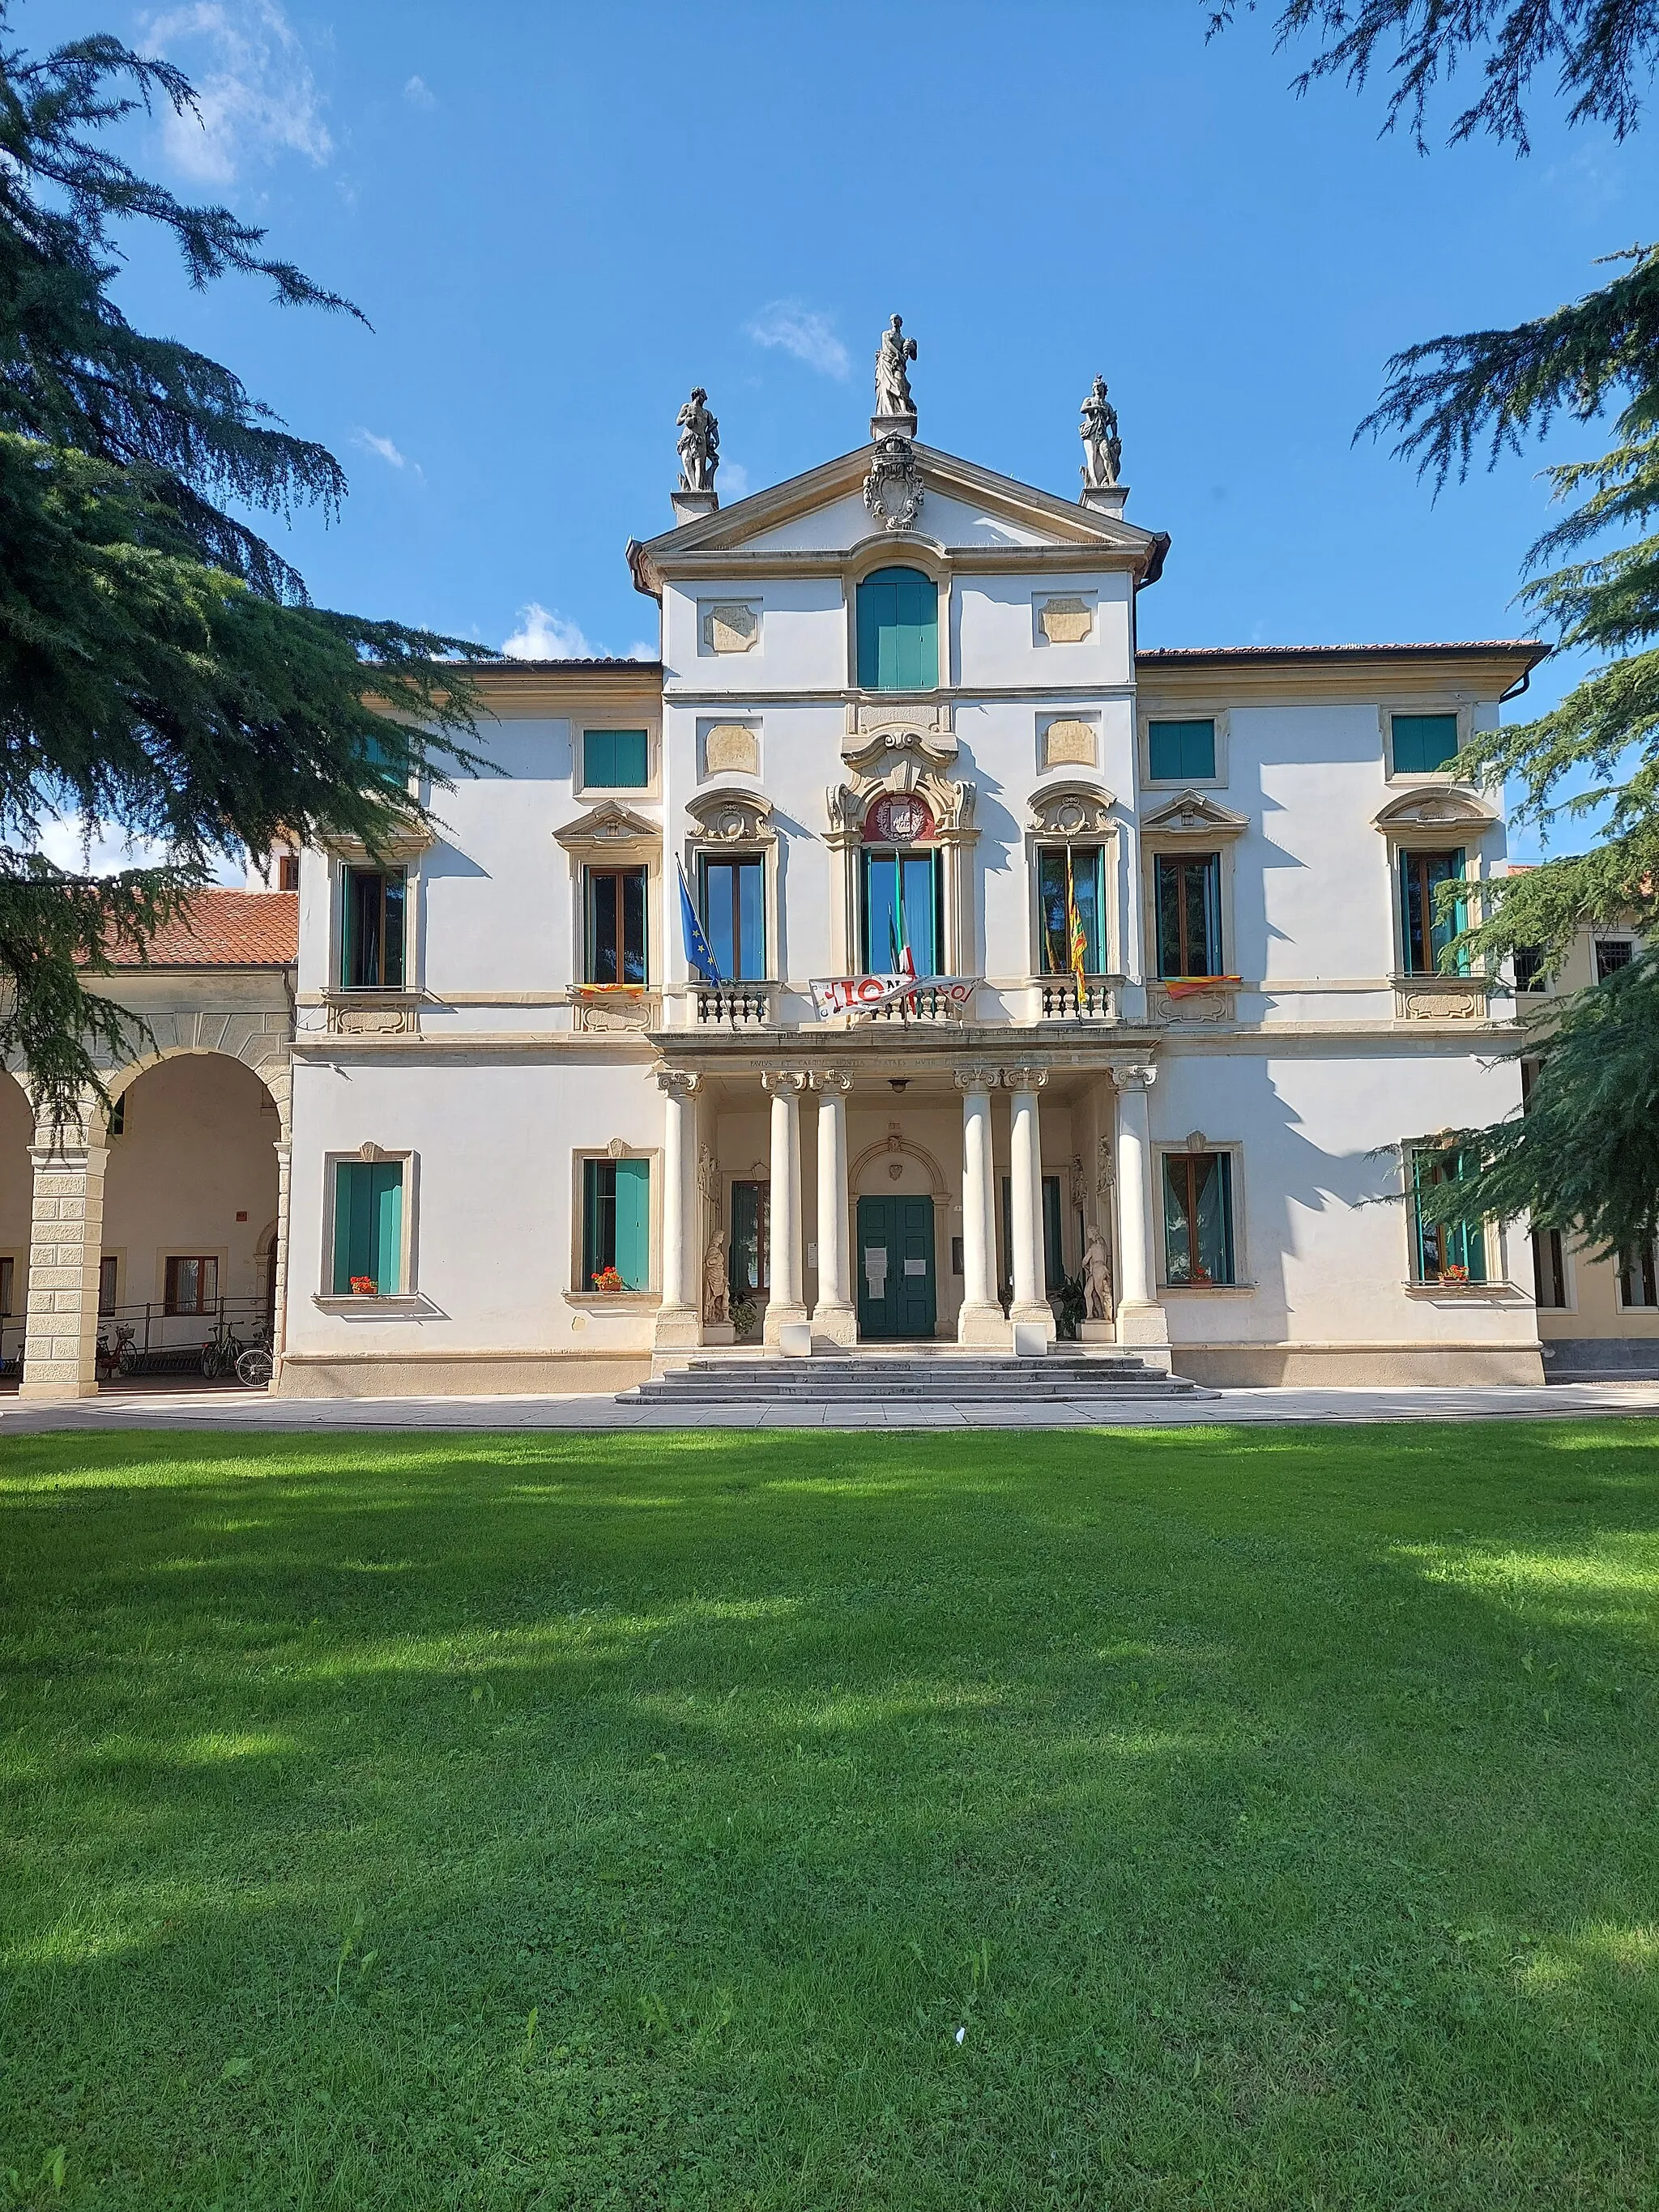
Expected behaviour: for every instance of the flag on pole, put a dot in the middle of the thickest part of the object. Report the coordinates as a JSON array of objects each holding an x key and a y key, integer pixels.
[
  {"x": 1078, "y": 936},
  {"x": 898, "y": 931},
  {"x": 698, "y": 957}
]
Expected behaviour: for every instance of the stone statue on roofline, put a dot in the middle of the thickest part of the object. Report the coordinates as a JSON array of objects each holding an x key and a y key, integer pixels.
[
  {"x": 699, "y": 443},
  {"x": 1103, "y": 448},
  {"x": 893, "y": 359}
]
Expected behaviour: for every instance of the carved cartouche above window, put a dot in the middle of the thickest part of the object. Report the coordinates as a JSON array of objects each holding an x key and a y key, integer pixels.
[
  {"x": 1073, "y": 810},
  {"x": 731, "y": 817},
  {"x": 902, "y": 761}
]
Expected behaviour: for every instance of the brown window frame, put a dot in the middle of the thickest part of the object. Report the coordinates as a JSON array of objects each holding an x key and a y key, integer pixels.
[
  {"x": 206, "y": 1299},
  {"x": 1549, "y": 1270},
  {"x": 617, "y": 877}
]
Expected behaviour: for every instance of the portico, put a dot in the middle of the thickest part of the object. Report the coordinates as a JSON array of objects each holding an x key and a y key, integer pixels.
[{"x": 934, "y": 1187}]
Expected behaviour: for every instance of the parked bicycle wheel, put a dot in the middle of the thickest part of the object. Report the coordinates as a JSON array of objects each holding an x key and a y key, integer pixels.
[
  {"x": 253, "y": 1368},
  {"x": 210, "y": 1362}
]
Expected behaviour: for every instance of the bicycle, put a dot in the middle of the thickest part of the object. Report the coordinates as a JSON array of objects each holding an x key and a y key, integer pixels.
[{"x": 254, "y": 1365}]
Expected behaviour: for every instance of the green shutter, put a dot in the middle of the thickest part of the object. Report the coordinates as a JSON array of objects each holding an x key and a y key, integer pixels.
[
  {"x": 897, "y": 615},
  {"x": 1181, "y": 752},
  {"x": 634, "y": 1223},
  {"x": 615, "y": 760},
  {"x": 1424, "y": 744},
  {"x": 368, "y": 1225}
]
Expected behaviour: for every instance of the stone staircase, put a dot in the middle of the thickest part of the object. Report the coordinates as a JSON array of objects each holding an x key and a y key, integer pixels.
[{"x": 832, "y": 1379}]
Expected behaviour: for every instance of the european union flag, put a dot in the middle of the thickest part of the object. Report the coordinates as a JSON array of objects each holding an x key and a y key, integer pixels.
[{"x": 698, "y": 958}]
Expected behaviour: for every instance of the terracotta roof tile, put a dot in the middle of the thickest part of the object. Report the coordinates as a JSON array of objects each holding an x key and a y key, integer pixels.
[{"x": 228, "y": 929}]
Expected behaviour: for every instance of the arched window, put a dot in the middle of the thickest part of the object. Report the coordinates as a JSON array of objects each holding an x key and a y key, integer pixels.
[{"x": 898, "y": 631}]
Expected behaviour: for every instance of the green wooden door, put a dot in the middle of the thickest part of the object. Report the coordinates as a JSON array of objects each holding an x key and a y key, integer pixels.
[{"x": 893, "y": 1260}]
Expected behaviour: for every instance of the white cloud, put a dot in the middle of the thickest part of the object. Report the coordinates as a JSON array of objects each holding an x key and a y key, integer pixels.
[
  {"x": 256, "y": 93},
  {"x": 640, "y": 651},
  {"x": 66, "y": 843},
  {"x": 734, "y": 479},
  {"x": 544, "y": 635},
  {"x": 803, "y": 332},
  {"x": 419, "y": 93},
  {"x": 383, "y": 446}
]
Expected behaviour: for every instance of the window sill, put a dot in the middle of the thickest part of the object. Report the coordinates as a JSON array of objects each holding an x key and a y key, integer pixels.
[
  {"x": 1207, "y": 1290},
  {"x": 1464, "y": 1291},
  {"x": 398, "y": 1303},
  {"x": 615, "y": 1301}
]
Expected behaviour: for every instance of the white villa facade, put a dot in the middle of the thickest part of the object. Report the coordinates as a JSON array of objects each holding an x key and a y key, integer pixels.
[{"x": 1181, "y": 901}]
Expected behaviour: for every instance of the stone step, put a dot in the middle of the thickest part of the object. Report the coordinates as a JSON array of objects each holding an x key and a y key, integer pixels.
[{"x": 965, "y": 1379}]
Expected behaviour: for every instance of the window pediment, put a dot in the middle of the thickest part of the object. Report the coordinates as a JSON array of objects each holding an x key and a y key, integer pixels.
[
  {"x": 1072, "y": 808},
  {"x": 612, "y": 829},
  {"x": 1194, "y": 814},
  {"x": 901, "y": 762},
  {"x": 1434, "y": 811},
  {"x": 729, "y": 816},
  {"x": 399, "y": 848}
]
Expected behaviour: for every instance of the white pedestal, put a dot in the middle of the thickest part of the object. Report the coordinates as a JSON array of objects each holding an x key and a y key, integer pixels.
[
  {"x": 1030, "y": 1340},
  {"x": 719, "y": 1331},
  {"x": 795, "y": 1339},
  {"x": 1096, "y": 1332}
]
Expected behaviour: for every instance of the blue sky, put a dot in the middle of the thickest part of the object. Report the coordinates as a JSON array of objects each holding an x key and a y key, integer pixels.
[{"x": 557, "y": 219}]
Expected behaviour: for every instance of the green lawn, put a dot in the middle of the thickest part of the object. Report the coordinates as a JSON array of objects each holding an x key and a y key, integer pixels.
[{"x": 1232, "y": 1817}]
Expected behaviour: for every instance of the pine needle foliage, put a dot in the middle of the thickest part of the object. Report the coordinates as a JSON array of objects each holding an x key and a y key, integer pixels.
[{"x": 163, "y": 672}]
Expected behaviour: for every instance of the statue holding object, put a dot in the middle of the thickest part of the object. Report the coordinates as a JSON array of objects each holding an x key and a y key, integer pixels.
[
  {"x": 1096, "y": 1277},
  {"x": 1103, "y": 448},
  {"x": 699, "y": 443},
  {"x": 893, "y": 359},
  {"x": 716, "y": 1289}
]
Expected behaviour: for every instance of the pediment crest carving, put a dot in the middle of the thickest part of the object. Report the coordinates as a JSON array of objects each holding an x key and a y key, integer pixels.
[
  {"x": 870, "y": 751},
  {"x": 1072, "y": 808},
  {"x": 1193, "y": 811},
  {"x": 902, "y": 762},
  {"x": 1435, "y": 807},
  {"x": 729, "y": 816},
  {"x": 610, "y": 823}
]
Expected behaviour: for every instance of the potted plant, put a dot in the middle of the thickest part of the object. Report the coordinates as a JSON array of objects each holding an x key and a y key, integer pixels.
[
  {"x": 743, "y": 1313},
  {"x": 363, "y": 1286},
  {"x": 1455, "y": 1276},
  {"x": 608, "y": 1283}
]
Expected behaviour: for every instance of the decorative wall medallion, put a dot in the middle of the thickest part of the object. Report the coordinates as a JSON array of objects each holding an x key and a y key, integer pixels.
[
  {"x": 625, "y": 1010},
  {"x": 898, "y": 818},
  {"x": 1065, "y": 621},
  {"x": 892, "y": 490},
  {"x": 1072, "y": 810},
  {"x": 618, "y": 1148},
  {"x": 896, "y": 1173},
  {"x": 1194, "y": 1006},
  {"x": 1068, "y": 744},
  {"x": 732, "y": 627},
  {"x": 732, "y": 749},
  {"x": 1442, "y": 1004}
]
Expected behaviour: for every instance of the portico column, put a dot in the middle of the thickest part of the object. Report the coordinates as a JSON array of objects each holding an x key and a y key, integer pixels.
[
  {"x": 980, "y": 1323},
  {"x": 783, "y": 1087},
  {"x": 1141, "y": 1321},
  {"x": 1025, "y": 1197},
  {"x": 66, "y": 1231},
  {"x": 678, "y": 1322},
  {"x": 284, "y": 1151},
  {"x": 834, "y": 1316}
]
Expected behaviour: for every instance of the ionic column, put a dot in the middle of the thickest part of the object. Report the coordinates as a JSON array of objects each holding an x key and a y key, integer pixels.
[
  {"x": 1025, "y": 1197},
  {"x": 1141, "y": 1321},
  {"x": 835, "y": 1315},
  {"x": 980, "y": 1323},
  {"x": 678, "y": 1322},
  {"x": 66, "y": 1232},
  {"x": 783, "y": 1087},
  {"x": 284, "y": 1151}
]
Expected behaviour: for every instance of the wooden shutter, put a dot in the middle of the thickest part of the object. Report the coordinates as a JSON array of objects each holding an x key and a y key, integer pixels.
[
  {"x": 368, "y": 1225},
  {"x": 634, "y": 1223}
]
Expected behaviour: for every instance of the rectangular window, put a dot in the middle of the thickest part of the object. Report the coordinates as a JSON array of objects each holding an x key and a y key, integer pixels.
[
  {"x": 1079, "y": 870},
  {"x": 1612, "y": 953},
  {"x": 287, "y": 871},
  {"x": 902, "y": 895},
  {"x": 1427, "y": 932},
  {"x": 107, "y": 1272},
  {"x": 1181, "y": 752},
  {"x": 8, "y": 1283},
  {"x": 615, "y": 925},
  {"x": 616, "y": 1221},
  {"x": 734, "y": 903},
  {"x": 752, "y": 1231},
  {"x": 1424, "y": 744},
  {"x": 1549, "y": 1270},
  {"x": 191, "y": 1285},
  {"x": 896, "y": 610},
  {"x": 616, "y": 760},
  {"x": 1198, "y": 1218},
  {"x": 1054, "y": 1253},
  {"x": 1529, "y": 969},
  {"x": 369, "y": 1227},
  {"x": 1444, "y": 1251},
  {"x": 1188, "y": 898},
  {"x": 372, "y": 942},
  {"x": 1638, "y": 1281}
]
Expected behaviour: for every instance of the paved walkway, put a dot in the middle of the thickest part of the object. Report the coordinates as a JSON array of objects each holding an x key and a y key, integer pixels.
[{"x": 249, "y": 1410}]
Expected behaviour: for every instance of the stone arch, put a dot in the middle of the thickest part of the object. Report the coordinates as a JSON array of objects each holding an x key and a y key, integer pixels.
[
  {"x": 899, "y": 1147},
  {"x": 260, "y": 1041}
]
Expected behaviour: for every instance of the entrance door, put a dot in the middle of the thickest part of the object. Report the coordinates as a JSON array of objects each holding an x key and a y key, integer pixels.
[{"x": 894, "y": 1264}]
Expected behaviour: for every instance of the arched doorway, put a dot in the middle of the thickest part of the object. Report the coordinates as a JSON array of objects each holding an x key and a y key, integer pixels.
[
  {"x": 190, "y": 1197},
  {"x": 16, "y": 1214}
]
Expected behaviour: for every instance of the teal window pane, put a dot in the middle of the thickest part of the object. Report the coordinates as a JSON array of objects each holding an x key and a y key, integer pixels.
[
  {"x": 1181, "y": 752},
  {"x": 615, "y": 760},
  {"x": 371, "y": 940},
  {"x": 901, "y": 907},
  {"x": 1445, "y": 1247},
  {"x": 1426, "y": 930},
  {"x": 616, "y": 1221},
  {"x": 896, "y": 610},
  {"x": 1087, "y": 872},
  {"x": 734, "y": 916},
  {"x": 369, "y": 1225},
  {"x": 747, "y": 1255},
  {"x": 1053, "y": 1250},
  {"x": 1424, "y": 743}
]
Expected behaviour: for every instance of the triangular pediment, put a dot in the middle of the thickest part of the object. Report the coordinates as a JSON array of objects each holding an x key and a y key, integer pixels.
[
  {"x": 608, "y": 823},
  {"x": 1193, "y": 812},
  {"x": 964, "y": 508},
  {"x": 1435, "y": 808}
]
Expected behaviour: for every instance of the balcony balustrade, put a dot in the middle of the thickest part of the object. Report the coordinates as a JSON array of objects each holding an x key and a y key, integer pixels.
[{"x": 1065, "y": 1001}]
